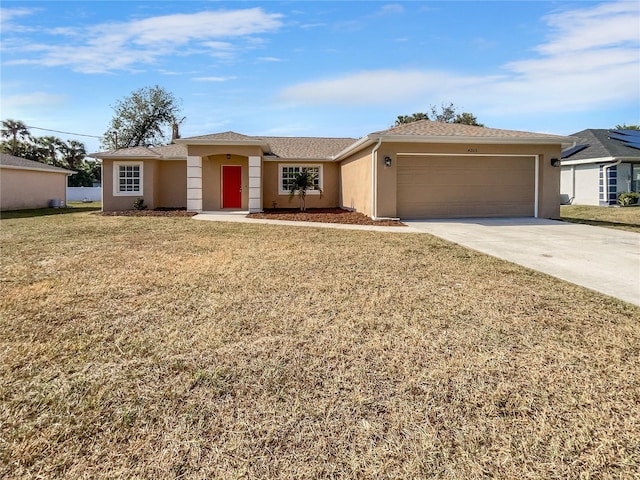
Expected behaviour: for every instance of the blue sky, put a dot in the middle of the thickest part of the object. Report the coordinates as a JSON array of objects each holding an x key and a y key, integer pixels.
[{"x": 322, "y": 68}]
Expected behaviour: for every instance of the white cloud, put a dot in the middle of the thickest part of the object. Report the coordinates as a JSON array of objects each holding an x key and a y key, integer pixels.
[
  {"x": 212, "y": 79},
  {"x": 391, "y": 9},
  {"x": 590, "y": 59},
  {"x": 127, "y": 45},
  {"x": 269, "y": 59},
  {"x": 606, "y": 25},
  {"x": 32, "y": 99},
  {"x": 7, "y": 15}
]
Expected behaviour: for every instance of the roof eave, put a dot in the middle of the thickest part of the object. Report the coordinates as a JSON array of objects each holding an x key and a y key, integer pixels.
[
  {"x": 275, "y": 158},
  {"x": 358, "y": 145},
  {"x": 33, "y": 169},
  {"x": 586, "y": 161},
  {"x": 482, "y": 140},
  {"x": 204, "y": 141}
]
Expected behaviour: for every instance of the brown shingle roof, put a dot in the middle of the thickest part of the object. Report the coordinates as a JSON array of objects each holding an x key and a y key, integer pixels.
[
  {"x": 282, "y": 147},
  {"x": 223, "y": 136},
  {"x": 298, "y": 148},
  {"x": 307, "y": 147},
  {"x": 7, "y": 160},
  {"x": 442, "y": 129},
  {"x": 174, "y": 150},
  {"x": 137, "y": 152}
]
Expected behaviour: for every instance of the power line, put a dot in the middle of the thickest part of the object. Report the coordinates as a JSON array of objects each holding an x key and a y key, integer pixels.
[{"x": 66, "y": 133}]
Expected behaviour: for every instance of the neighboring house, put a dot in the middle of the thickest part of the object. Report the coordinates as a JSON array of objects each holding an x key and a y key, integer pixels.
[
  {"x": 602, "y": 164},
  {"x": 420, "y": 170},
  {"x": 28, "y": 184}
]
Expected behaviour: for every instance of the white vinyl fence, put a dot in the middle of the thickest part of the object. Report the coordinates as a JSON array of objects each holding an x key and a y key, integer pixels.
[{"x": 84, "y": 194}]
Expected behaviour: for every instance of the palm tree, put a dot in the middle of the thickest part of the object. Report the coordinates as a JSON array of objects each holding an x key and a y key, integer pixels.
[
  {"x": 49, "y": 146},
  {"x": 14, "y": 129},
  {"x": 73, "y": 152},
  {"x": 303, "y": 181}
]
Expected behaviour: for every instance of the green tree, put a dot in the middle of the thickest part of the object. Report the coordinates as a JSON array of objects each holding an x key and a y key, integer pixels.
[
  {"x": 467, "y": 118},
  {"x": 52, "y": 151},
  {"x": 73, "y": 153},
  {"x": 624, "y": 126},
  {"x": 303, "y": 181},
  {"x": 141, "y": 118},
  {"x": 47, "y": 149},
  {"x": 445, "y": 113},
  {"x": 404, "y": 119},
  {"x": 17, "y": 132}
]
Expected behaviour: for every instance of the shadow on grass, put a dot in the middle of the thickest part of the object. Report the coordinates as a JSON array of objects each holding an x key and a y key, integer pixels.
[
  {"x": 634, "y": 227},
  {"x": 45, "y": 212}
]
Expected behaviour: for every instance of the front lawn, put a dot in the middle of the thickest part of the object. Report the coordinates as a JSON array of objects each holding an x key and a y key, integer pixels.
[
  {"x": 72, "y": 207},
  {"x": 163, "y": 347},
  {"x": 624, "y": 218}
]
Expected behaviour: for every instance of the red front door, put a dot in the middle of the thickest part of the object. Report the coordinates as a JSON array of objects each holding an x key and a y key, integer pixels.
[{"x": 231, "y": 186}]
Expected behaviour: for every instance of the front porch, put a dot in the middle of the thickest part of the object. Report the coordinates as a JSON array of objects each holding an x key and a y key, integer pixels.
[{"x": 224, "y": 182}]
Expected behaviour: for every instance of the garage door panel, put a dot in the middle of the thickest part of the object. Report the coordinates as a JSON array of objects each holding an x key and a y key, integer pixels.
[
  {"x": 465, "y": 193},
  {"x": 439, "y": 187},
  {"x": 465, "y": 209}
]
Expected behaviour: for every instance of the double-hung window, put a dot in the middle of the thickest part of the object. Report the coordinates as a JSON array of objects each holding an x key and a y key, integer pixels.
[
  {"x": 287, "y": 175},
  {"x": 127, "y": 178}
]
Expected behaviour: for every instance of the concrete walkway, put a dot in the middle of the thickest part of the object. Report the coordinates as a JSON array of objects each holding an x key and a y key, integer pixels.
[{"x": 602, "y": 259}]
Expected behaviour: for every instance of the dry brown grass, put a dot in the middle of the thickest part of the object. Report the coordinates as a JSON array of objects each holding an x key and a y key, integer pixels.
[
  {"x": 623, "y": 218},
  {"x": 170, "y": 348}
]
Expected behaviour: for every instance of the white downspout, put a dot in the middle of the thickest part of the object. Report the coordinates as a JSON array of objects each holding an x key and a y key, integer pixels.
[
  {"x": 573, "y": 183},
  {"x": 605, "y": 178},
  {"x": 374, "y": 158}
]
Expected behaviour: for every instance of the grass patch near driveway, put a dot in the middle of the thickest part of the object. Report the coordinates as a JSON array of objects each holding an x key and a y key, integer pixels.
[
  {"x": 165, "y": 347},
  {"x": 623, "y": 218}
]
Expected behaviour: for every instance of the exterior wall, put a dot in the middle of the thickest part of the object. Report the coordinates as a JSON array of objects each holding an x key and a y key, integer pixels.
[
  {"x": 585, "y": 190},
  {"x": 330, "y": 186},
  {"x": 212, "y": 180},
  {"x": 171, "y": 184},
  {"x": 548, "y": 178},
  {"x": 21, "y": 189},
  {"x": 111, "y": 202},
  {"x": 567, "y": 189},
  {"x": 355, "y": 182}
]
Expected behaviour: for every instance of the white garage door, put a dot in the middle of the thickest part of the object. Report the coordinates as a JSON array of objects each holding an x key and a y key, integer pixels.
[{"x": 449, "y": 186}]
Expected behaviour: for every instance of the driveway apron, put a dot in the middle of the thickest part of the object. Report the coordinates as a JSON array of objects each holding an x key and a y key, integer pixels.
[{"x": 602, "y": 259}]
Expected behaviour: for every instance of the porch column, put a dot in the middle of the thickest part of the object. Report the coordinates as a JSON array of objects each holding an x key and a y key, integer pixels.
[
  {"x": 194, "y": 184},
  {"x": 255, "y": 184}
]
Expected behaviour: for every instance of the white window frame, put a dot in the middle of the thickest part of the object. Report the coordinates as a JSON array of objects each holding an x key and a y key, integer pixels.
[
  {"x": 281, "y": 191},
  {"x": 116, "y": 179}
]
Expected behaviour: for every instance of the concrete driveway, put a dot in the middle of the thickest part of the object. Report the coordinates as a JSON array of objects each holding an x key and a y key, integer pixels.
[{"x": 602, "y": 259}]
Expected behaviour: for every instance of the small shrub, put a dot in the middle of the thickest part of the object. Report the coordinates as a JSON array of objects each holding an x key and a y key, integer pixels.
[
  {"x": 138, "y": 204},
  {"x": 628, "y": 198}
]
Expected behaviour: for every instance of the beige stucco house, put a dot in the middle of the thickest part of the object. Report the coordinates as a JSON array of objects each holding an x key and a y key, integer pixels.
[
  {"x": 420, "y": 170},
  {"x": 28, "y": 184}
]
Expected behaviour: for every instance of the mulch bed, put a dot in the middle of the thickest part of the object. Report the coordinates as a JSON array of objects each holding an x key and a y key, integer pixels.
[
  {"x": 323, "y": 215},
  {"x": 320, "y": 215}
]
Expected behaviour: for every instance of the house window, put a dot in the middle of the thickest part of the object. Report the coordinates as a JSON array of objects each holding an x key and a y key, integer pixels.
[
  {"x": 287, "y": 175},
  {"x": 635, "y": 177},
  {"x": 127, "y": 178}
]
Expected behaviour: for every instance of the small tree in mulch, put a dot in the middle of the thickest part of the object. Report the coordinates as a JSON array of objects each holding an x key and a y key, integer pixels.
[{"x": 302, "y": 182}]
